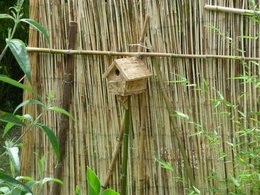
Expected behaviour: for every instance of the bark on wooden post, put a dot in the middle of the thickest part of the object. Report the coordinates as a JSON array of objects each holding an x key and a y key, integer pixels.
[{"x": 66, "y": 101}]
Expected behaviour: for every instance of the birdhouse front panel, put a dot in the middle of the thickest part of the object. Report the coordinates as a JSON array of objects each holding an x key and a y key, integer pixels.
[{"x": 116, "y": 82}]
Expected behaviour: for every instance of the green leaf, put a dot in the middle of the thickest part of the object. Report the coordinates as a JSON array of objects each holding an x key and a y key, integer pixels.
[
  {"x": 242, "y": 113},
  {"x": 30, "y": 185},
  {"x": 77, "y": 190},
  {"x": 248, "y": 37},
  {"x": 220, "y": 95},
  {"x": 19, "y": 51},
  {"x": 30, "y": 101},
  {"x": 180, "y": 79},
  {"x": 24, "y": 178},
  {"x": 181, "y": 115},
  {"x": 109, "y": 192},
  {"x": 212, "y": 27},
  {"x": 93, "y": 182},
  {"x": 49, "y": 179},
  {"x": 5, "y": 190},
  {"x": 10, "y": 81},
  {"x": 196, "y": 190},
  {"x": 40, "y": 163},
  {"x": 61, "y": 110},
  {"x": 52, "y": 139},
  {"x": 10, "y": 118},
  {"x": 163, "y": 164},
  {"x": 13, "y": 182},
  {"x": 13, "y": 153},
  {"x": 6, "y": 16},
  {"x": 230, "y": 143},
  {"x": 235, "y": 182},
  {"x": 7, "y": 128},
  {"x": 37, "y": 26}
]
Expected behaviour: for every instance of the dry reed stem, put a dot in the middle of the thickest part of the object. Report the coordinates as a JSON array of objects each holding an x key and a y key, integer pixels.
[
  {"x": 143, "y": 114},
  {"x": 27, "y": 165}
]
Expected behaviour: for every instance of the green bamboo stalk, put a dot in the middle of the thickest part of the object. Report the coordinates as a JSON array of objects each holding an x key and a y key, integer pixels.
[{"x": 125, "y": 148}]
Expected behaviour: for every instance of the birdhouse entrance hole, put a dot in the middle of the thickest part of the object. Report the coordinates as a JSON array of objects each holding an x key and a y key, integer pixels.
[{"x": 117, "y": 72}]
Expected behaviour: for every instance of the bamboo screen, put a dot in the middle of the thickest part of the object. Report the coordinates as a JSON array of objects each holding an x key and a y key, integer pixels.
[{"x": 180, "y": 26}]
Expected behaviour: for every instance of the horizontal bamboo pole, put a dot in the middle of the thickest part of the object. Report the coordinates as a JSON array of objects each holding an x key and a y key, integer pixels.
[
  {"x": 143, "y": 54},
  {"x": 230, "y": 10}
]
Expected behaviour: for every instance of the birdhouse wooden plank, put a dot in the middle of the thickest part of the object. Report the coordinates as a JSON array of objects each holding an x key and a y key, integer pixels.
[{"x": 127, "y": 76}]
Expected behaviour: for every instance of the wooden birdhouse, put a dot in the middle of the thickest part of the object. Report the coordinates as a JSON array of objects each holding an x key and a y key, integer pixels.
[{"x": 127, "y": 76}]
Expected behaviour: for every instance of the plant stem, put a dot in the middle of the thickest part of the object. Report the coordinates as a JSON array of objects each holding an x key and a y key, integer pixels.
[
  {"x": 125, "y": 148},
  {"x": 29, "y": 128},
  {"x": 26, "y": 131},
  {"x": 5, "y": 49}
]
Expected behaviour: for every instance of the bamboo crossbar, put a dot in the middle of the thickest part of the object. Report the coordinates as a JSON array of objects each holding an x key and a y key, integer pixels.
[
  {"x": 143, "y": 54},
  {"x": 230, "y": 10}
]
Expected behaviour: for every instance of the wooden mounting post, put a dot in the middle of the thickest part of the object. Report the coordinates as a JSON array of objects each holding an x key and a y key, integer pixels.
[{"x": 66, "y": 101}]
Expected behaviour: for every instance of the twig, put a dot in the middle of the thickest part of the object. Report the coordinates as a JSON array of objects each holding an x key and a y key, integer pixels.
[
  {"x": 21, "y": 79},
  {"x": 115, "y": 154},
  {"x": 141, "y": 41}
]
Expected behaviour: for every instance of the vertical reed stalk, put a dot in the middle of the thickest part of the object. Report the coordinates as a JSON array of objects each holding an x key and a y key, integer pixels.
[
  {"x": 29, "y": 139},
  {"x": 142, "y": 143},
  {"x": 143, "y": 117},
  {"x": 125, "y": 147}
]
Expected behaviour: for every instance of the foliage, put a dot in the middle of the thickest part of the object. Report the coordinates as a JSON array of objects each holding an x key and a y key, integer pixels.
[
  {"x": 9, "y": 95},
  {"x": 244, "y": 144},
  {"x": 18, "y": 185},
  {"x": 12, "y": 184},
  {"x": 163, "y": 164},
  {"x": 94, "y": 186}
]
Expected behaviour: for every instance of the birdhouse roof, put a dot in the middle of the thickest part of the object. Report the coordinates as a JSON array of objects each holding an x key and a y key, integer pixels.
[{"x": 130, "y": 68}]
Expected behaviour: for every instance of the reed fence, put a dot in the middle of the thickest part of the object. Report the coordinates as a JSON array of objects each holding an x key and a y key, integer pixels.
[{"x": 180, "y": 27}]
